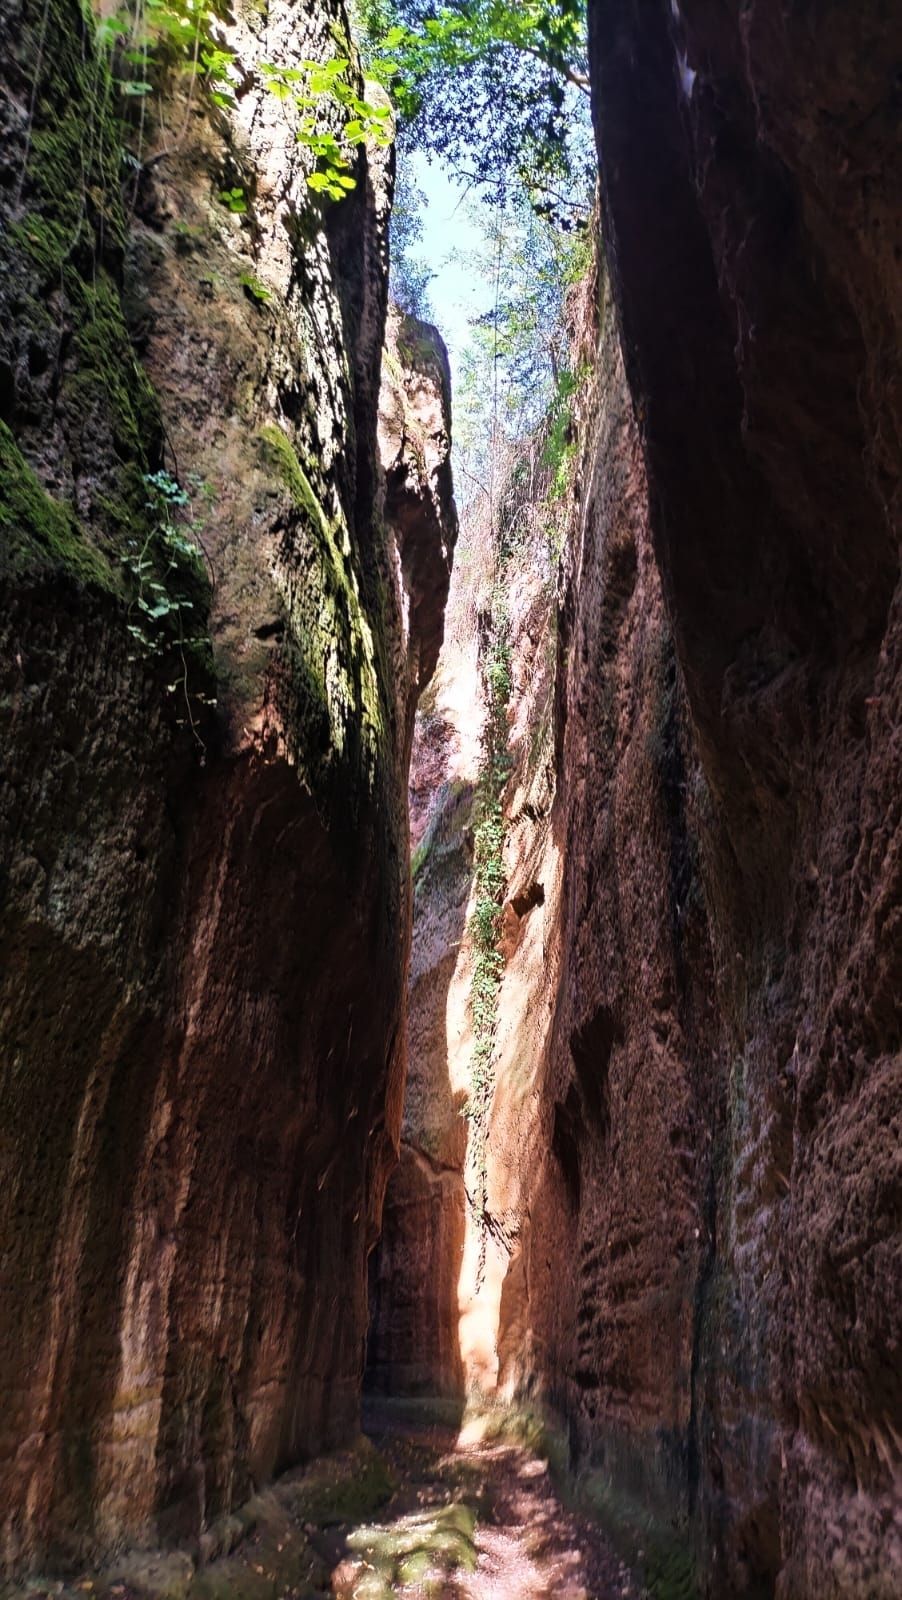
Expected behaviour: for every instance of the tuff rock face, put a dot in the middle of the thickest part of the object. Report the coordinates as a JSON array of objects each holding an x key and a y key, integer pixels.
[
  {"x": 693, "y": 1153},
  {"x": 679, "y": 1226},
  {"x": 415, "y": 1330},
  {"x": 415, "y": 451},
  {"x": 747, "y": 161},
  {"x": 203, "y": 820}
]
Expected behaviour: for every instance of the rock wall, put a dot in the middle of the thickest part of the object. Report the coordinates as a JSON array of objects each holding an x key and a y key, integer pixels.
[
  {"x": 413, "y": 1322},
  {"x": 750, "y": 194},
  {"x": 414, "y": 1343},
  {"x": 453, "y": 1213},
  {"x": 693, "y": 1152},
  {"x": 601, "y": 1303},
  {"x": 204, "y": 836}
]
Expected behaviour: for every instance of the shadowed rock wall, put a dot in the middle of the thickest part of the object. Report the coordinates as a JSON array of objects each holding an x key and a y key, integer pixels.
[
  {"x": 204, "y": 835},
  {"x": 413, "y": 1336},
  {"x": 725, "y": 1050}
]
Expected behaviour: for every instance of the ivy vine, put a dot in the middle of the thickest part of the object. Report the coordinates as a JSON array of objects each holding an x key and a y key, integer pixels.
[
  {"x": 163, "y": 569},
  {"x": 485, "y": 921},
  {"x": 143, "y": 38}
]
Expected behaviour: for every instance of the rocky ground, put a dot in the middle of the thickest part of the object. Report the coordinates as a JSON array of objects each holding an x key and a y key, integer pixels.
[
  {"x": 475, "y": 1517},
  {"x": 423, "y": 1509}
]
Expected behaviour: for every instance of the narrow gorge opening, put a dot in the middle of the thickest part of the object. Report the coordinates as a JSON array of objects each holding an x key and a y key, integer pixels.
[
  {"x": 450, "y": 894},
  {"x": 495, "y": 223}
]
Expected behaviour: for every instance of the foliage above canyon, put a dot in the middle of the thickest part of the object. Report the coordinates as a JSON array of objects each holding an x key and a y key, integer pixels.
[{"x": 498, "y": 90}]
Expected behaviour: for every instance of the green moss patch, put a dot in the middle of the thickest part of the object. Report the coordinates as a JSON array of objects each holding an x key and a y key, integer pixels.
[
  {"x": 60, "y": 265},
  {"x": 37, "y": 530},
  {"x": 529, "y": 1429},
  {"x": 489, "y": 882},
  {"x": 332, "y": 646},
  {"x": 340, "y": 1489},
  {"x": 660, "y": 1552},
  {"x": 425, "y": 1548}
]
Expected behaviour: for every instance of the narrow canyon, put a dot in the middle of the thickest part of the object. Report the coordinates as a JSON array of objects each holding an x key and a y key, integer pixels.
[{"x": 450, "y": 1061}]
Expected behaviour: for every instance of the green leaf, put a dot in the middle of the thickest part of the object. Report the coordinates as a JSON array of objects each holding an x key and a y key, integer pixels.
[
  {"x": 110, "y": 29},
  {"x": 253, "y": 287}
]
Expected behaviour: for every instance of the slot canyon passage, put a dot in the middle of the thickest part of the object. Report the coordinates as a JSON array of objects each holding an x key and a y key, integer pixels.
[{"x": 449, "y": 1002}]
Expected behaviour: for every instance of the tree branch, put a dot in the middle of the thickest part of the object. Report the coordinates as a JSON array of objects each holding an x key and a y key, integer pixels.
[{"x": 579, "y": 80}]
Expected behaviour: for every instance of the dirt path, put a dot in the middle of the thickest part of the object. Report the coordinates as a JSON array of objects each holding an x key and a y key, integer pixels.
[
  {"x": 419, "y": 1513},
  {"x": 477, "y": 1521}
]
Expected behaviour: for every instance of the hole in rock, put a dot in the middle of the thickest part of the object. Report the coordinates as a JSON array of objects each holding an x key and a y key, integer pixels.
[
  {"x": 565, "y": 1144},
  {"x": 528, "y": 899},
  {"x": 591, "y": 1047},
  {"x": 270, "y": 630}
]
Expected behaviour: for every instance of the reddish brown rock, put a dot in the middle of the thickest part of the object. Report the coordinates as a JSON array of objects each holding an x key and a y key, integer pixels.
[
  {"x": 751, "y": 194},
  {"x": 414, "y": 1344},
  {"x": 693, "y": 1153},
  {"x": 204, "y": 907}
]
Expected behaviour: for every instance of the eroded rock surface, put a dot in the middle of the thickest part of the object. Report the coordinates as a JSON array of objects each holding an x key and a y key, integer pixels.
[
  {"x": 678, "y": 1225},
  {"x": 414, "y": 1343},
  {"x": 693, "y": 1152},
  {"x": 415, "y": 451},
  {"x": 750, "y": 190},
  {"x": 204, "y": 832},
  {"x": 453, "y": 1209}
]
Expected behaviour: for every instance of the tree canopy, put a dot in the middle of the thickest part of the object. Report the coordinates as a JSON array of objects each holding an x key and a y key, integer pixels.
[{"x": 497, "y": 88}]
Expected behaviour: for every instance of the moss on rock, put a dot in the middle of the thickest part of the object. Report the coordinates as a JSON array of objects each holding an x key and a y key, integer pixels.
[
  {"x": 39, "y": 531},
  {"x": 342, "y": 1488},
  {"x": 427, "y": 1548},
  {"x": 60, "y": 267},
  {"x": 661, "y": 1551},
  {"x": 331, "y": 644}
]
